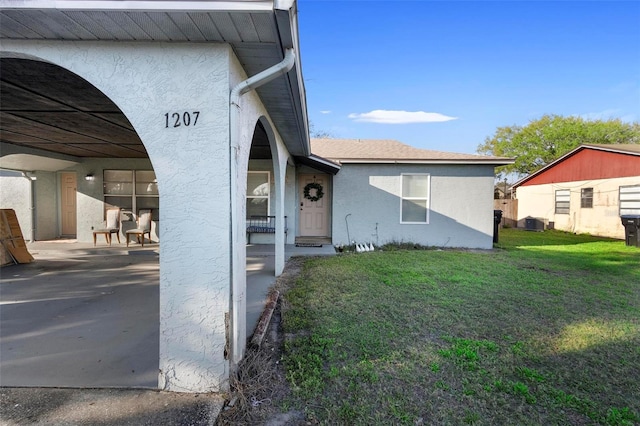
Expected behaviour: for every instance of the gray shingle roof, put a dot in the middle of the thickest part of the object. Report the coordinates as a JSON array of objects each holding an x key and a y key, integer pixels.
[{"x": 391, "y": 151}]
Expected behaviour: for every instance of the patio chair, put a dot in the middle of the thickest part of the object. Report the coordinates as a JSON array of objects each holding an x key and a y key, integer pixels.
[
  {"x": 111, "y": 226},
  {"x": 143, "y": 226}
]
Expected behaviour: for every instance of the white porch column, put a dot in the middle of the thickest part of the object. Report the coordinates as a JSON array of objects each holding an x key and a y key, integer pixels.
[{"x": 280, "y": 157}]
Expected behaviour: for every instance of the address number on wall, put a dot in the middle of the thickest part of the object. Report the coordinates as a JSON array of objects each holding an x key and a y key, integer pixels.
[{"x": 178, "y": 119}]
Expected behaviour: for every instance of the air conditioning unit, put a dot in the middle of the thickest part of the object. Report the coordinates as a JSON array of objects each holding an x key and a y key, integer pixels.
[{"x": 534, "y": 224}]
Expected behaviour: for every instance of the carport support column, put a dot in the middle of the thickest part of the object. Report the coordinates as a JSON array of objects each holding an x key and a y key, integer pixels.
[{"x": 238, "y": 302}]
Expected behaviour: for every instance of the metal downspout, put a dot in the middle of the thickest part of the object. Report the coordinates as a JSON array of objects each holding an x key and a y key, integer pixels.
[
  {"x": 32, "y": 204},
  {"x": 236, "y": 269}
]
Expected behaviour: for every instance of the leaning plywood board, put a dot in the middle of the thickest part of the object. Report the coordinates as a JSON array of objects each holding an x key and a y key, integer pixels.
[{"x": 14, "y": 248}]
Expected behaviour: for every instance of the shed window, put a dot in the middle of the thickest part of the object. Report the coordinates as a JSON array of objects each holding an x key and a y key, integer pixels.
[
  {"x": 414, "y": 205},
  {"x": 258, "y": 188},
  {"x": 562, "y": 201},
  {"x": 586, "y": 198}
]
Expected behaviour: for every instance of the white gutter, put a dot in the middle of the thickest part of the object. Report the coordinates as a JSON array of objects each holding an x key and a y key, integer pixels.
[
  {"x": 32, "y": 203},
  {"x": 237, "y": 267},
  {"x": 470, "y": 162}
]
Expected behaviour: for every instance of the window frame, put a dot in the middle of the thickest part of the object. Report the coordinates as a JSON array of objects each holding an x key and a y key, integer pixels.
[
  {"x": 628, "y": 199},
  {"x": 133, "y": 195},
  {"x": 586, "y": 199},
  {"x": 558, "y": 209},
  {"x": 267, "y": 197},
  {"x": 426, "y": 198}
]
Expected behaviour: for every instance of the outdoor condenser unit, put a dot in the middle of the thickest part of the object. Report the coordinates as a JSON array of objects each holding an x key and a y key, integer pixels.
[{"x": 534, "y": 224}]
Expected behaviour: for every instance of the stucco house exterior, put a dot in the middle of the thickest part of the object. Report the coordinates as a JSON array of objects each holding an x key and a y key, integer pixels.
[
  {"x": 197, "y": 111},
  {"x": 584, "y": 191},
  {"x": 387, "y": 191}
]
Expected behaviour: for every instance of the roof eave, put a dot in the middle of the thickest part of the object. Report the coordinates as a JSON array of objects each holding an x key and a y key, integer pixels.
[
  {"x": 286, "y": 21},
  {"x": 493, "y": 162},
  {"x": 140, "y": 5},
  {"x": 319, "y": 163},
  {"x": 610, "y": 148}
]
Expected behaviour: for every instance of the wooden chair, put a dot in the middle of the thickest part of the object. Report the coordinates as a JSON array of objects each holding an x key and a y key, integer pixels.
[
  {"x": 111, "y": 226},
  {"x": 143, "y": 226}
]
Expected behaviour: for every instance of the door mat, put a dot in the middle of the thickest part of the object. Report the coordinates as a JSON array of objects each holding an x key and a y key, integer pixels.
[{"x": 308, "y": 244}]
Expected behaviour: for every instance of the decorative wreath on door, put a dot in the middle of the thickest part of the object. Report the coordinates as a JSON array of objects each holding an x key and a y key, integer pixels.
[{"x": 307, "y": 191}]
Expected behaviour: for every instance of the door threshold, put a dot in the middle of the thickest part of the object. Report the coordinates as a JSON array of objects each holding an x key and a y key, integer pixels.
[{"x": 313, "y": 240}]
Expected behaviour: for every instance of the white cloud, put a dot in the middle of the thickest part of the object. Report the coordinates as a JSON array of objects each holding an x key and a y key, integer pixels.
[
  {"x": 400, "y": 117},
  {"x": 325, "y": 112}
]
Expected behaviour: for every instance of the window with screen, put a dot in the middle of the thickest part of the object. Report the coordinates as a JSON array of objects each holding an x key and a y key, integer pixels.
[
  {"x": 586, "y": 198},
  {"x": 563, "y": 197},
  {"x": 414, "y": 207},
  {"x": 258, "y": 189}
]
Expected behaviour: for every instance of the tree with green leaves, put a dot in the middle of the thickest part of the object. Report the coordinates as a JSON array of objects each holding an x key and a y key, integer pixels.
[{"x": 546, "y": 139}]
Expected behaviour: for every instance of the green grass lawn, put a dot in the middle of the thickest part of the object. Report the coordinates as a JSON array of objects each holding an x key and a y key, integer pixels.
[{"x": 543, "y": 330}]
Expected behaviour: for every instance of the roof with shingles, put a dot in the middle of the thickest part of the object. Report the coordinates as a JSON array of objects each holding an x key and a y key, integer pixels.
[
  {"x": 391, "y": 151},
  {"x": 625, "y": 148}
]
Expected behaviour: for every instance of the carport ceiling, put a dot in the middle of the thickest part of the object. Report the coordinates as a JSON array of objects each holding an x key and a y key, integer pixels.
[{"x": 45, "y": 107}]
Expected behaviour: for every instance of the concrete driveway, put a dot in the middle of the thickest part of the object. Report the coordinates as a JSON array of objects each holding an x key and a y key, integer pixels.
[{"x": 81, "y": 316}]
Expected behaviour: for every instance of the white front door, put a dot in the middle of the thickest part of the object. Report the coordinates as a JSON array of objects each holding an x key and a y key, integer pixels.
[
  {"x": 68, "y": 204},
  {"x": 314, "y": 220}
]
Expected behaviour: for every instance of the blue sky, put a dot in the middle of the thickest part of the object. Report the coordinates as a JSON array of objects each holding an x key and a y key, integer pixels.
[{"x": 463, "y": 69}]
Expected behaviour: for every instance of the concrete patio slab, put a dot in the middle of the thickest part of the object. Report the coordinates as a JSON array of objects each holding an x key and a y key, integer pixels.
[
  {"x": 134, "y": 407},
  {"x": 83, "y": 316}
]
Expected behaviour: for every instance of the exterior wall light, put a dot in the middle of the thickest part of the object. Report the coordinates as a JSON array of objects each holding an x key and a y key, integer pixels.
[{"x": 90, "y": 177}]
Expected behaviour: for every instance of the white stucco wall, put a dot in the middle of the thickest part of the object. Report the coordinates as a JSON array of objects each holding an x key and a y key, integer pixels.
[
  {"x": 602, "y": 219},
  {"x": 461, "y": 205},
  {"x": 15, "y": 193},
  {"x": 147, "y": 80}
]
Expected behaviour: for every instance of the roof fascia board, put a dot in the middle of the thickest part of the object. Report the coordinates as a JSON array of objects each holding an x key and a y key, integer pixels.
[
  {"x": 319, "y": 163},
  {"x": 286, "y": 22},
  {"x": 477, "y": 162},
  {"x": 324, "y": 161},
  {"x": 611, "y": 149},
  {"x": 141, "y": 5}
]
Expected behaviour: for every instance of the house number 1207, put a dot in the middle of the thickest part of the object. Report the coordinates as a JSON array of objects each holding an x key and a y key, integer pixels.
[{"x": 176, "y": 119}]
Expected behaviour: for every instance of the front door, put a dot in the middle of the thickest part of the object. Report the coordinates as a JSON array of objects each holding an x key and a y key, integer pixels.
[
  {"x": 314, "y": 221},
  {"x": 68, "y": 204}
]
